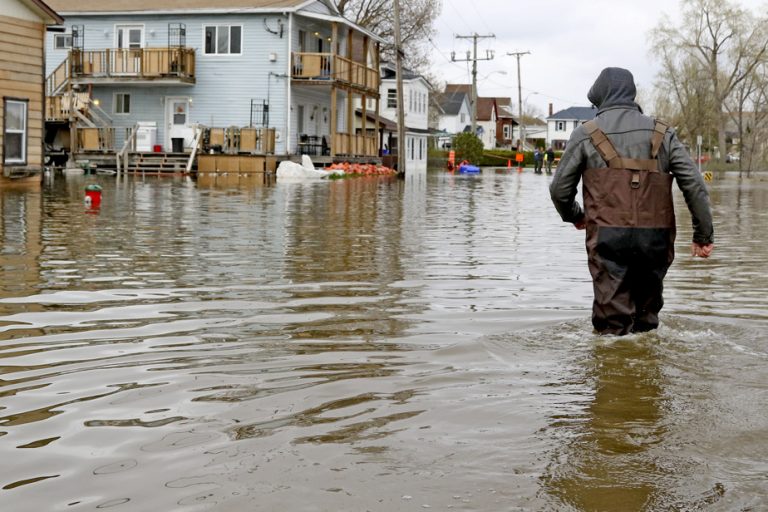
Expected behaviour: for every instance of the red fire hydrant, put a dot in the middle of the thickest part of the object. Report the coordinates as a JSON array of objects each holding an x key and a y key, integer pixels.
[{"x": 93, "y": 196}]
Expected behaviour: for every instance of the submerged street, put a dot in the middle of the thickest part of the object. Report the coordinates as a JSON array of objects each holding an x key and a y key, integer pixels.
[{"x": 367, "y": 344}]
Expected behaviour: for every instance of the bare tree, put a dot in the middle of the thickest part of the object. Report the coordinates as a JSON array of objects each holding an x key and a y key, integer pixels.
[
  {"x": 716, "y": 40},
  {"x": 416, "y": 30}
]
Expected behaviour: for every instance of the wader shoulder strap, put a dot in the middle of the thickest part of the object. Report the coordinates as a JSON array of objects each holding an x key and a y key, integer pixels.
[
  {"x": 602, "y": 143},
  {"x": 605, "y": 147},
  {"x": 658, "y": 137}
]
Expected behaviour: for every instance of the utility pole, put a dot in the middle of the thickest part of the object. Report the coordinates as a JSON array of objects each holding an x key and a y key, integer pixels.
[
  {"x": 474, "y": 59},
  {"x": 521, "y": 131},
  {"x": 400, "y": 100}
]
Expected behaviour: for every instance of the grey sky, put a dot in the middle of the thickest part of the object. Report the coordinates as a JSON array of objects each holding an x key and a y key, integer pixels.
[{"x": 570, "y": 42}]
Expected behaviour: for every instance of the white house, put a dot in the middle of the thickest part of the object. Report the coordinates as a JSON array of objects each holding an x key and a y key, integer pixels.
[
  {"x": 454, "y": 113},
  {"x": 416, "y": 90},
  {"x": 560, "y": 125},
  {"x": 487, "y": 117},
  {"x": 289, "y": 68}
]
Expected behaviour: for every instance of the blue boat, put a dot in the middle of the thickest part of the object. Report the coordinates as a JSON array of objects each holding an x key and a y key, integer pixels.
[{"x": 468, "y": 169}]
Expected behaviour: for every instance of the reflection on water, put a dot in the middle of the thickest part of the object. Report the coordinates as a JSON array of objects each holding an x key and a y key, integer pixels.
[
  {"x": 235, "y": 343},
  {"x": 606, "y": 444}
]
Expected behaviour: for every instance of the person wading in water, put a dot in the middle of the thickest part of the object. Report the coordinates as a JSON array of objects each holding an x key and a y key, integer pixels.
[{"x": 628, "y": 162}]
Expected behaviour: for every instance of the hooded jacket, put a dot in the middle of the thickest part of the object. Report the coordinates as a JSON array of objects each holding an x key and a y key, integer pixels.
[{"x": 630, "y": 131}]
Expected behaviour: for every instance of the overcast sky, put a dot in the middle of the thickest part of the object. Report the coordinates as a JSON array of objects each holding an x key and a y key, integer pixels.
[{"x": 570, "y": 42}]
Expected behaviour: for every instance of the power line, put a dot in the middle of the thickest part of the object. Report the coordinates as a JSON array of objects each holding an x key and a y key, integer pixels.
[
  {"x": 518, "y": 55},
  {"x": 474, "y": 58}
]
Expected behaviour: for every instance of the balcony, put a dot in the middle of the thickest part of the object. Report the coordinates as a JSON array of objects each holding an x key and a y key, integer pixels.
[
  {"x": 142, "y": 65},
  {"x": 324, "y": 68},
  {"x": 355, "y": 145}
]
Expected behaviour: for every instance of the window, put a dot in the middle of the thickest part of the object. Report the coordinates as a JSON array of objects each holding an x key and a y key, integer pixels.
[
  {"x": 463, "y": 118},
  {"x": 122, "y": 103},
  {"x": 129, "y": 36},
  {"x": 15, "y": 131},
  {"x": 391, "y": 98},
  {"x": 560, "y": 126},
  {"x": 62, "y": 41},
  {"x": 507, "y": 134},
  {"x": 223, "y": 39}
]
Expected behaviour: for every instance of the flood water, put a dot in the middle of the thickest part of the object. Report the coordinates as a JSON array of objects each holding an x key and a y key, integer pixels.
[{"x": 367, "y": 344}]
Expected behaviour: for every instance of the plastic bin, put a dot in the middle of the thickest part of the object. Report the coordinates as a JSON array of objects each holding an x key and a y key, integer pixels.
[{"x": 177, "y": 144}]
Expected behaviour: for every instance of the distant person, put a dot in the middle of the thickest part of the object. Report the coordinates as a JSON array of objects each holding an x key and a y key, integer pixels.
[
  {"x": 549, "y": 157},
  {"x": 537, "y": 159},
  {"x": 628, "y": 162}
]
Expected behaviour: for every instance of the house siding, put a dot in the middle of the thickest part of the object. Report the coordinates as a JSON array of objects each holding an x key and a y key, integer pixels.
[
  {"x": 225, "y": 84},
  {"x": 21, "y": 78}
]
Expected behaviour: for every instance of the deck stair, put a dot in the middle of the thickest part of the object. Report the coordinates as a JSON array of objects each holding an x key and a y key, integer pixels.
[{"x": 158, "y": 163}]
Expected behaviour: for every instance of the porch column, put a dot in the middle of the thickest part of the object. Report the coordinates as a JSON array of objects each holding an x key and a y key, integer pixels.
[
  {"x": 377, "y": 62},
  {"x": 364, "y": 129},
  {"x": 334, "y": 70},
  {"x": 352, "y": 138}
]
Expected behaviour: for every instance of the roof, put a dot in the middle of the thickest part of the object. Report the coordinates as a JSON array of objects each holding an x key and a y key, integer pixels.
[
  {"x": 389, "y": 72},
  {"x": 575, "y": 114},
  {"x": 112, "y": 7},
  {"x": 452, "y": 88},
  {"x": 383, "y": 121},
  {"x": 42, "y": 9},
  {"x": 108, "y": 6},
  {"x": 450, "y": 103},
  {"x": 485, "y": 108}
]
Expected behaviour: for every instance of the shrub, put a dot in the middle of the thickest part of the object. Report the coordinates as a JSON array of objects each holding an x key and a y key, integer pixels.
[{"x": 468, "y": 147}]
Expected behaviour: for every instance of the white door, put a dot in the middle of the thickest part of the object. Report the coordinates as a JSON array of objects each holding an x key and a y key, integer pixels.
[
  {"x": 129, "y": 40},
  {"x": 177, "y": 121}
]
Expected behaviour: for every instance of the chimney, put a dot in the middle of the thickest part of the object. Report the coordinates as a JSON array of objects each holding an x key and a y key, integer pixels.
[{"x": 550, "y": 110}]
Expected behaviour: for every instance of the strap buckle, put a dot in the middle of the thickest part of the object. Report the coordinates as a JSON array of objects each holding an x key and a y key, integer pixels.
[{"x": 635, "y": 180}]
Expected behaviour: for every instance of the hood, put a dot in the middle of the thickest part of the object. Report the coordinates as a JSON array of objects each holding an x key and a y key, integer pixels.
[{"x": 615, "y": 87}]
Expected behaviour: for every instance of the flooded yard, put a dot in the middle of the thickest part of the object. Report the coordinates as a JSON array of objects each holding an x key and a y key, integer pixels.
[{"x": 367, "y": 344}]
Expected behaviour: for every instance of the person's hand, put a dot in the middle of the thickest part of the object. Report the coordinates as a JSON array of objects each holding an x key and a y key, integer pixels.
[
  {"x": 580, "y": 224},
  {"x": 701, "y": 250}
]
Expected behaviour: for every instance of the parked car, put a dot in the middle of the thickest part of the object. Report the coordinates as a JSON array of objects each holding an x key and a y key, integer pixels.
[{"x": 732, "y": 157}]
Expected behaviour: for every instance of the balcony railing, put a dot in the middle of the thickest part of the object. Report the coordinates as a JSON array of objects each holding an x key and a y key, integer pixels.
[
  {"x": 59, "y": 108},
  {"x": 354, "y": 145},
  {"x": 95, "y": 139},
  {"x": 330, "y": 67},
  {"x": 141, "y": 63}
]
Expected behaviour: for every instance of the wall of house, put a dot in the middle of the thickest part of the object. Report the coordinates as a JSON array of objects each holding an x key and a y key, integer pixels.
[
  {"x": 225, "y": 84},
  {"x": 21, "y": 76},
  {"x": 416, "y": 106},
  {"x": 557, "y": 136},
  {"x": 488, "y": 137},
  {"x": 455, "y": 124},
  {"x": 415, "y": 152}
]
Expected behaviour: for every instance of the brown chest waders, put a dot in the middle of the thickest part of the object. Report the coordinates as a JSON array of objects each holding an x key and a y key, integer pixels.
[{"x": 630, "y": 235}]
